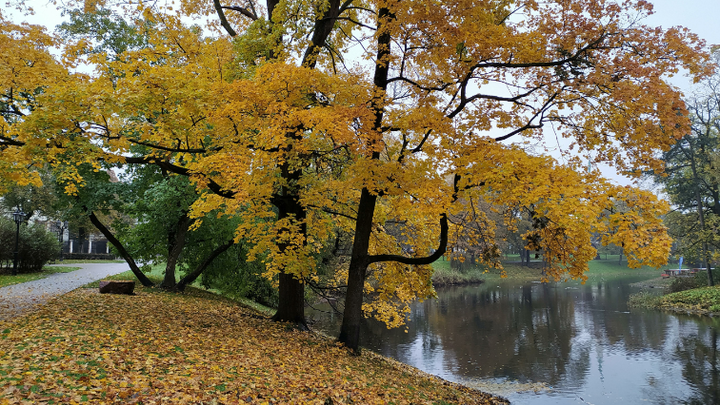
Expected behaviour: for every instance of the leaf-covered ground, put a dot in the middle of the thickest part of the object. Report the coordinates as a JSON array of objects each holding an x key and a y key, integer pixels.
[{"x": 196, "y": 348}]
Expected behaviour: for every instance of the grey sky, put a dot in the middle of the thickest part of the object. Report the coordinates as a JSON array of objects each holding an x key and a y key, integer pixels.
[{"x": 700, "y": 16}]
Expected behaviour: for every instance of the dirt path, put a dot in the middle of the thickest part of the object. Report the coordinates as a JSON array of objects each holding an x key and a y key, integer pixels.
[{"x": 20, "y": 298}]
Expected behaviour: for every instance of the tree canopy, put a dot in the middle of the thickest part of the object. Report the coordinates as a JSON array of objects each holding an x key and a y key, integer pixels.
[
  {"x": 692, "y": 179},
  {"x": 380, "y": 118}
]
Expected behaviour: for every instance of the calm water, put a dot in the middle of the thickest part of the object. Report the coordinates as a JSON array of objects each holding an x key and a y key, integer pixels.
[{"x": 582, "y": 342}]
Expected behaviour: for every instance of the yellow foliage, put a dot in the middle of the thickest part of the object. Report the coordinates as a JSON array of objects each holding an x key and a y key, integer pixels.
[{"x": 246, "y": 117}]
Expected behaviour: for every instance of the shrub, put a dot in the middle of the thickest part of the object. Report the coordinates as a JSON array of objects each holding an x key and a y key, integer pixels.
[
  {"x": 36, "y": 246},
  {"x": 688, "y": 283},
  {"x": 705, "y": 298},
  {"x": 235, "y": 277}
]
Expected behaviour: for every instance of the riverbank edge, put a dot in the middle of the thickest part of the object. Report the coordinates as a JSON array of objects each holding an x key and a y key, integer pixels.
[
  {"x": 703, "y": 301},
  {"x": 263, "y": 310},
  {"x": 456, "y": 282}
]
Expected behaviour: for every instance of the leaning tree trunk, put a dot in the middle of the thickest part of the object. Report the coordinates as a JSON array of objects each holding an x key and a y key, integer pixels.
[
  {"x": 190, "y": 278},
  {"x": 352, "y": 315},
  {"x": 121, "y": 249}
]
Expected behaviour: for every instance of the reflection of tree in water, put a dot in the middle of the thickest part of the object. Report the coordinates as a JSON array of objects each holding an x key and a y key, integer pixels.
[
  {"x": 699, "y": 357},
  {"x": 553, "y": 333},
  {"x": 490, "y": 332},
  {"x": 611, "y": 323}
]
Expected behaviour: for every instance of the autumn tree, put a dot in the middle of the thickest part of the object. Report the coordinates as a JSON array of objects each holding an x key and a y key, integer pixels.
[
  {"x": 691, "y": 178},
  {"x": 574, "y": 66},
  {"x": 303, "y": 117}
]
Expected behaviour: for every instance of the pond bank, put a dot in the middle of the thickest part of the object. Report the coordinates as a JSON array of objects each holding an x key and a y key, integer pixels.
[
  {"x": 444, "y": 275},
  {"x": 703, "y": 301}
]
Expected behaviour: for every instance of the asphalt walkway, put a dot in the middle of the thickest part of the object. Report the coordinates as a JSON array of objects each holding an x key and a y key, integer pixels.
[{"x": 17, "y": 299}]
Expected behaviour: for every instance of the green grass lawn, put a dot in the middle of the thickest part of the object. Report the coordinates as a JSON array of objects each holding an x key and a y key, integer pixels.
[
  {"x": 72, "y": 261},
  {"x": 8, "y": 279},
  {"x": 155, "y": 275},
  {"x": 598, "y": 270}
]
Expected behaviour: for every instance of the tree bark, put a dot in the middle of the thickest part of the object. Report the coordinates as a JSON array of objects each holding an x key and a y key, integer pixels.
[
  {"x": 291, "y": 289},
  {"x": 176, "y": 243},
  {"x": 352, "y": 315},
  {"x": 121, "y": 249},
  {"x": 291, "y": 301}
]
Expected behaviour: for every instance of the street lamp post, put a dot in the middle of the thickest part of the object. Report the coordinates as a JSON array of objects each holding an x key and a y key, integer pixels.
[{"x": 18, "y": 217}]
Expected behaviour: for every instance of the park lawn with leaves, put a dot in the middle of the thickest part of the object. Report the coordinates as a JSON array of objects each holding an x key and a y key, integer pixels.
[
  {"x": 9, "y": 279},
  {"x": 703, "y": 300},
  {"x": 157, "y": 347}
]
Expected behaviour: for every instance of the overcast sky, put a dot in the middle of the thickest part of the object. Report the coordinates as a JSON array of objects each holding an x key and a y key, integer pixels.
[{"x": 700, "y": 16}]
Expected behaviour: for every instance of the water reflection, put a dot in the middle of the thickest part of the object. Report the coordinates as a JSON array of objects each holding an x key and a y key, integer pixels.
[{"x": 581, "y": 340}]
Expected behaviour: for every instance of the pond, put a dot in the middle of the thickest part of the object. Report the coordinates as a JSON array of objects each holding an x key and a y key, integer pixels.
[{"x": 558, "y": 343}]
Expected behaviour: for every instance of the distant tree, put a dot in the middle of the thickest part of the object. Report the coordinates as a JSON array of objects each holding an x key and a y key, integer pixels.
[
  {"x": 34, "y": 200},
  {"x": 692, "y": 178}
]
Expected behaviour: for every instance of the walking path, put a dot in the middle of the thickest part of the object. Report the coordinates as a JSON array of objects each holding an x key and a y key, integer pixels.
[{"x": 17, "y": 299}]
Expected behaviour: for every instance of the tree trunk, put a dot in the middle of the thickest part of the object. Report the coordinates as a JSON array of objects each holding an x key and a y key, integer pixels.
[
  {"x": 360, "y": 260},
  {"x": 701, "y": 216},
  {"x": 352, "y": 315},
  {"x": 176, "y": 243},
  {"x": 291, "y": 301},
  {"x": 291, "y": 289},
  {"x": 190, "y": 278},
  {"x": 121, "y": 249}
]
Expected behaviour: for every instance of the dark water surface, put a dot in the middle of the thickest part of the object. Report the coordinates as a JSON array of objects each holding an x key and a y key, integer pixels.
[{"x": 582, "y": 342}]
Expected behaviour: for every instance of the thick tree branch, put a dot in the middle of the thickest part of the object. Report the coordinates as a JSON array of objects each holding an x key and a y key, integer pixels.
[
  {"x": 416, "y": 261},
  {"x": 247, "y": 13},
  {"x": 7, "y": 141},
  {"x": 211, "y": 184},
  {"x": 223, "y": 21},
  {"x": 321, "y": 32}
]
